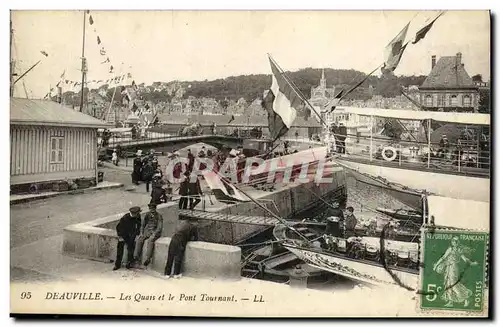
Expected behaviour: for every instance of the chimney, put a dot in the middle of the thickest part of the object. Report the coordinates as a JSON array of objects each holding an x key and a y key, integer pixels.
[
  {"x": 459, "y": 59},
  {"x": 433, "y": 62}
]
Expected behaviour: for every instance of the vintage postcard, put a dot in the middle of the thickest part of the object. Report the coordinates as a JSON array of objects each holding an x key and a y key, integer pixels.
[{"x": 250, "y": 163}]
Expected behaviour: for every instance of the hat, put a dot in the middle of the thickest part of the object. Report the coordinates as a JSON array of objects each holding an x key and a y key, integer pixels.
[
  {"x": 135, "y": 210},
  {"x": 152, "y": 206}
]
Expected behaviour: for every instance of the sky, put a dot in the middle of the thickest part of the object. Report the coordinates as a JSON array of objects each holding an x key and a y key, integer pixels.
[{"x": 198, "y": 45}]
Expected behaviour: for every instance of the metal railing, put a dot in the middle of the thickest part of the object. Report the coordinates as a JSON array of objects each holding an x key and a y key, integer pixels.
[{"x": 467, "y": 157}]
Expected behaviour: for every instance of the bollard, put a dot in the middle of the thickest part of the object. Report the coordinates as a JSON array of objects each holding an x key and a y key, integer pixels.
[{"x": 298, "y": 277}]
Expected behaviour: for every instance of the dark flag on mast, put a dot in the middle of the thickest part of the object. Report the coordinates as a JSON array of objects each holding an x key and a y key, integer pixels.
[
  {"x": 424, "y": 30},
  {"x": 334, "y": 103},
  {"x": 91, "y": 21},
  {"x": 283, "y": 104}
]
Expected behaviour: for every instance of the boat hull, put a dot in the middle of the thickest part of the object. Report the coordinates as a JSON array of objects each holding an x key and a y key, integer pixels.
[
  {"x": 443, "y": 184},
  {"x": 356, "y": 270}
]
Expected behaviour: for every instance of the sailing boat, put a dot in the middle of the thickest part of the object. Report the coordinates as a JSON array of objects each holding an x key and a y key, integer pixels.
[{"x": 381, "y": 261}]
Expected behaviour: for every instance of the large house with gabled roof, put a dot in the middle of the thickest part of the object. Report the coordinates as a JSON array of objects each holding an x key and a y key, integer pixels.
[{"x": 448, "y": 87}]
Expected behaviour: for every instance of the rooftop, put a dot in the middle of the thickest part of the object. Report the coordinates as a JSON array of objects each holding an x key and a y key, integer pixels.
[
  {"x": 226, "y": 120},
  {"x": 49, "y": 113},
  {"x": 449, "y": 72}
]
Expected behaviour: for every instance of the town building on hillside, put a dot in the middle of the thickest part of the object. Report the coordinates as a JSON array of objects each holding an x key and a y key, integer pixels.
[
  {"x": 449, "y": 87},
  {"x": 321, "y": 94},
  {"x": 51, "y": 142}
]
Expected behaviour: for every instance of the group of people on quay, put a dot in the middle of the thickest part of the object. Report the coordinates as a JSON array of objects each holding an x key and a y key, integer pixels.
[{"x": 133, "y": 232}]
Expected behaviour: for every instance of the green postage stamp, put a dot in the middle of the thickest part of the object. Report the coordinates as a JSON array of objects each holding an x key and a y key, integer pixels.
[{"x": 453, "y": 276}]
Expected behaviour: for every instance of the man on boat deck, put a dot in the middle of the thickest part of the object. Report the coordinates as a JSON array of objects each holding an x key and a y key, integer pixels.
[
  {"x": 350, "y": 222},
  {"x": 337, "y": 212},
  {"x": 444, "y": 144},
  {"x": 342, "y": 134},
  {"x": 151, "y": 228}
]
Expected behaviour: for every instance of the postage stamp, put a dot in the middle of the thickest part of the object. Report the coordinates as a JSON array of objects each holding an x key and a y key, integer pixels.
[{"x": 453, "y": 275}]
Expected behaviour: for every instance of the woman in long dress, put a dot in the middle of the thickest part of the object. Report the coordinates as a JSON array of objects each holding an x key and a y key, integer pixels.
[{"x": 448, "y": 266}]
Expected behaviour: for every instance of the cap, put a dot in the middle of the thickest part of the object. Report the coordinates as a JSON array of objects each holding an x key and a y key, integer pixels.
[
  {"x": 152, "y": 206},
  {"x": 135, "y": 210}
]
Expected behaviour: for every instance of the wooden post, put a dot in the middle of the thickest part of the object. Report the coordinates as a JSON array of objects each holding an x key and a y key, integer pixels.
[
  {"x": 478, "y": 144},
  {"x": 399, "y": 146},
  {"x": 371, "y": 138},
  {"x": 459, "y": 159},
  {"x": 429, "y": 143}
]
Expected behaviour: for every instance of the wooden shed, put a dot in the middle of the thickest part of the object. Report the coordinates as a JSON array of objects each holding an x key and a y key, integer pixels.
[{"x": 51, "y": 142}]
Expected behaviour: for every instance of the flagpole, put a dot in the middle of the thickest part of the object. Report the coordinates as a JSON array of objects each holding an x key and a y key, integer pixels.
[
  {"x": 359, "y": 83},
  {"x": 283, "y": 221},
  {"x": 296, "y": 89},
  {"x": 83, "y": 60},
  {"x": 26, "y": 72}
]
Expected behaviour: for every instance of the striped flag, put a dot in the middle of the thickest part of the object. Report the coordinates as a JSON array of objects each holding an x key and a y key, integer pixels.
[
  {"x": 394, "y": 51},
  {"x": 283, "y": 104},
  {"x": 223, "y": 191}
]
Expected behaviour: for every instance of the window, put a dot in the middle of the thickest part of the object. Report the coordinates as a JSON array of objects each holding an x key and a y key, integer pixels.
[
  {"x": 453, "y": 101},
  {"x": 441, "y": 100},
  {"x": 466, "y": 101},
  {"x": 56, "y": 149},
  {"x": 428, "y": 100}
]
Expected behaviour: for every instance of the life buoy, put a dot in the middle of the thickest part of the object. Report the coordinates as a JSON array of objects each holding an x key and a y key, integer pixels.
[
  {"x": 33, "y": 188},
  {"x": 392, "y": 156}
]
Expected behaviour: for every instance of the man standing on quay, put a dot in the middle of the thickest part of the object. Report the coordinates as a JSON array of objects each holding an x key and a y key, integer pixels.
[
  {"x": 186, "y": 232},
  {"x": 150, "y": 230},
  {"x": 127, "y": 230}
]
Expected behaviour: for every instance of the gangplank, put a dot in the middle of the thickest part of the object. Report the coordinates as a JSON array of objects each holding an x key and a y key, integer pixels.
[{"x": 223, "y": 217}]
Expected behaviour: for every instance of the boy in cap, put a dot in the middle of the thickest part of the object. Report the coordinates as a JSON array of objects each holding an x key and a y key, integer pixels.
[
  {"x": 151, "y": 228},
  {"x": 127, "y": 230}
]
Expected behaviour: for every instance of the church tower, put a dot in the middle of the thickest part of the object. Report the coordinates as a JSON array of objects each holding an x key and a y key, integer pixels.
[{"x": 322, "y": 82}]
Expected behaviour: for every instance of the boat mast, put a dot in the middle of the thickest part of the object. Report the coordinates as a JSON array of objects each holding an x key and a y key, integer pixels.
[
  {"x": 84, "y": 68},
  {"x": 12, "y": 62}
]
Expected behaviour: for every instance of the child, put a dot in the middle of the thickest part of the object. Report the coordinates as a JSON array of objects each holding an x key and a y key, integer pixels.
[{"x": 114, "y": 158}]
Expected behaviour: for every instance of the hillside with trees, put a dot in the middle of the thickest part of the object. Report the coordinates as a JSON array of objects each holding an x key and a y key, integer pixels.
[{"x": 250, "y": 87}]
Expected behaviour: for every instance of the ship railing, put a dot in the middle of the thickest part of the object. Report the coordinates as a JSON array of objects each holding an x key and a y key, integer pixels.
[{"x": 464, "y": 156}]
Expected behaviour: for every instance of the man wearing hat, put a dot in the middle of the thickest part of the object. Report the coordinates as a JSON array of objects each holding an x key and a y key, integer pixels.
[
  {"x": 136, "y": 174},
  {"x": 127, "y": 230},
  {"x": 350, "y": 222},
  {"x": 151, "y": 228},
  {"x": 186, "y": 232}
]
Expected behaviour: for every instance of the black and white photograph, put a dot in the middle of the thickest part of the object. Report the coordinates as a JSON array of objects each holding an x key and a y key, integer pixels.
[{"x": 251, "y": 163}]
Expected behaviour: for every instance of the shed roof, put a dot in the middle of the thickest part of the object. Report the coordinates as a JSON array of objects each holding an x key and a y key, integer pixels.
[
  {"x": 448, "y": 74},
  {"x": 49, "y": 113}
]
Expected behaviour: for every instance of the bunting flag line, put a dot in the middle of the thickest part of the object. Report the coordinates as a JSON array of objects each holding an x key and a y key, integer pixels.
[
  {"x": 424, "y": 30},
  {"x": 394, "y": 50},
  {"x": 111, "y": 69},
  {"x": 44, "y": 53},
  {"x": 282, "y": 103},
  {"x": 91, "y": 20},
  {"x": 102, "y": 51},
  {"x": 98, "y": 40},
  {"x": 105, "y": 61}
]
